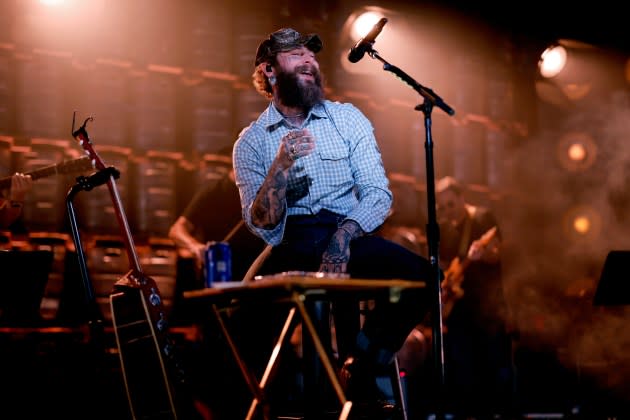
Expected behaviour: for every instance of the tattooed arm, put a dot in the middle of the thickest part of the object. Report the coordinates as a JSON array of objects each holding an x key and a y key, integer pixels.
[
  {"x": 336, "y": 257},
  {"x": 269, "y": 205}
]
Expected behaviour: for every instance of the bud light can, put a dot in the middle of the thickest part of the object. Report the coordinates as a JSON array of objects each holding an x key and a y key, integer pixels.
[{"x": 218, "y": 263}]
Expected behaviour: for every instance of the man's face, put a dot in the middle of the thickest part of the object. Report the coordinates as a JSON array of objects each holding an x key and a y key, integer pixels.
[
  {"x": 298, "y": 78},
  {"x": 451, "y": 208}
]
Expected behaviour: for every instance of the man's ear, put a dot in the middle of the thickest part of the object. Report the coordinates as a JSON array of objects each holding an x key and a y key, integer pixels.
[{"x": 266, "y": 68}]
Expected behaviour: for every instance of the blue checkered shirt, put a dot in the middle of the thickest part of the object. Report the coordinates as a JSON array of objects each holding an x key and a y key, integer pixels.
[{"x": 344, "y": 174}]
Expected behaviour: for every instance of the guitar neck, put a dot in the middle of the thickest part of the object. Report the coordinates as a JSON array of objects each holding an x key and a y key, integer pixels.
[
  {"x": 82, "y": 136},
  {"x": 134, "y": 261},
  {"x": 36, "y": 174},
  {"x": 465, "y": 263},
  {"x": 485, "y": 240},
  {"x": 66, "y": 167}
]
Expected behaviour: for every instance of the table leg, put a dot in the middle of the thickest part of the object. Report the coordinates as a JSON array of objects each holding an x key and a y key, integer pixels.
[
  {"x": 321, "y": 351},
  {"x": 272, "y": 364}
]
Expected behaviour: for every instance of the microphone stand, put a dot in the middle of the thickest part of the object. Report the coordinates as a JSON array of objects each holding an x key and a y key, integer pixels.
[{"x": 431, "y": 99}]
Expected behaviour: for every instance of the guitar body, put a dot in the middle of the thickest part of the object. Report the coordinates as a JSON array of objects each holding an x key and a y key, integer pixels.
[
  {"x": 141, "y": 344},
  {"x": 452, "y": 289}
]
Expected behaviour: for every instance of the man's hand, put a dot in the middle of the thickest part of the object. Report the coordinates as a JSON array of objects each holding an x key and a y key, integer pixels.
[
  {"x": 336, "y": 257},
  {"x": 20, "y": 185},
  {"x": 484, "y": 251},
  {"x": 476, "y": 250},
  {"x": 296, "y": 144}
]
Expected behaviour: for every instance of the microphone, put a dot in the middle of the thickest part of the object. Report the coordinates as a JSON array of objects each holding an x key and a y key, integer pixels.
[{"x": 356, "y": 53}]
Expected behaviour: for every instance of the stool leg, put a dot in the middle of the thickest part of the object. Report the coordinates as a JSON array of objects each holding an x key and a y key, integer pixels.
[{"x": 393, "y": 390}]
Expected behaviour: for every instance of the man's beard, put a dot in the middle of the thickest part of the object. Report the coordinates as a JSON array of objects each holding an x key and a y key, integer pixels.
[{"x": 297, "y": 94}]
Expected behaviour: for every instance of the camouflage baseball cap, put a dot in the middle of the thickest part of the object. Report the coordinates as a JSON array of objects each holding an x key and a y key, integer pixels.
[{"x": 286, "y": 39}]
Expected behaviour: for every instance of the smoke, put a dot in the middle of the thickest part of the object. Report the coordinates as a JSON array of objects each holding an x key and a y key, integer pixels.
[{"x": 552, "y": 271}]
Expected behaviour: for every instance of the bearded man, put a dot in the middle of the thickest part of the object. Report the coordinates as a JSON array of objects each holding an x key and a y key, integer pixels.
[{"x": 313, "y": 187}]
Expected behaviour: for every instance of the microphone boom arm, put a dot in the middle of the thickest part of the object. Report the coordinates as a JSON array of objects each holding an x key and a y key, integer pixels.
[{"x": 426, "y": 93}]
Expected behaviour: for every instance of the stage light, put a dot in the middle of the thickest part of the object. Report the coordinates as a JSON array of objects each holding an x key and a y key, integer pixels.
[
  {"x": 552, "y": 61},
  {"x": 566, "y": 57},
  {"x": 576, "y": 151},
  {"x": 52, "y": 2},
  {"x": 571, "y": 71},
  {"x": 356, "y": 26},
  {"x": 581, "y": 222},
  {"x": 364, "y": 23}
]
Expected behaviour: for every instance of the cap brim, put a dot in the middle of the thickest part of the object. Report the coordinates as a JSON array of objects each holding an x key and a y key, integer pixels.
[
  {"x": 313, "y": 42},
  {"x": 266, "y": 48}
]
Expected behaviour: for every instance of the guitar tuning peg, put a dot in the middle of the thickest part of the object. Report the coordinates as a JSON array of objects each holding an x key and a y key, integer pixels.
[
  {"x": 168, "y": 350},
  {"x": 154, "y": 298},
  {"x": 162, "y": 325}
]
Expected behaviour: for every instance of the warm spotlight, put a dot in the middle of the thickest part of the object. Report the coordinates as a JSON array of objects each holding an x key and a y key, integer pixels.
[
  {"x": 364, "y": 23},
  {"x": 572, "y": 71},
  {"x": 552, "y": 61},
  {"x": 576, "y": 151},
  {"x": 581, "y": 222},
  {"x": 52, "y": 2},
  {"x": 356, "y": 26}
]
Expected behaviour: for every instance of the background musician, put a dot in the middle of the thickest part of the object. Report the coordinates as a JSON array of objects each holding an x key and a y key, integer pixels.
[{"x": 477, "y": 346}]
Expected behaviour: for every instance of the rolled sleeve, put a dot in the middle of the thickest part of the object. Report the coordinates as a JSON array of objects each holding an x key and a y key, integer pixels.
[
  {"x": 249, "y": 151},
  {"x": 371, "y": 182}
]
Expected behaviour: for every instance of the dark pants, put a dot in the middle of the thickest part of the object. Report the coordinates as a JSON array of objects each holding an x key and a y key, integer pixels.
[{"x": 371, "y": 257}]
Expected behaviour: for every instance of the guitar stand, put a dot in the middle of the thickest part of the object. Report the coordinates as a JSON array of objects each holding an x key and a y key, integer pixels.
[{"x": 95, "y": 317}]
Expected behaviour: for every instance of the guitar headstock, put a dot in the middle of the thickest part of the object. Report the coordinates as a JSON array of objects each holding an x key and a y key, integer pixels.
[{"x": 86, "y": 144}]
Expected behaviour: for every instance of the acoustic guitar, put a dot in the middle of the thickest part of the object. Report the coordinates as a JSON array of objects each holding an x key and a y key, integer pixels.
[
  {"x": 452, "y": 289},
  {"x": 150, "y": 369},
  {"x": 66, "y": 167}
]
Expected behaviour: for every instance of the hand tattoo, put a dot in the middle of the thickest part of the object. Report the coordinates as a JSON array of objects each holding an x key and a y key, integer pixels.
[{"x": 337, "y": 256}]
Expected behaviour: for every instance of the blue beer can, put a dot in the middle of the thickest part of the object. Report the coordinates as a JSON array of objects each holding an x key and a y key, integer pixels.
[{"x": 218, "y": 263}]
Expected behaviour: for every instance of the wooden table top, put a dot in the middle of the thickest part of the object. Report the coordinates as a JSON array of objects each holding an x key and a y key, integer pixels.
[{"x": 303, "y": 282}]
